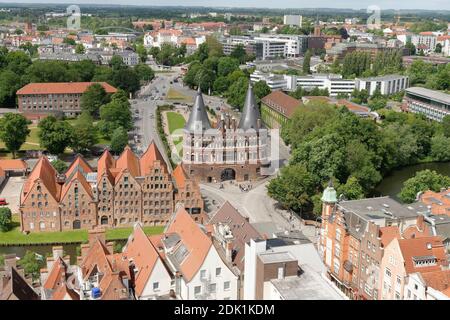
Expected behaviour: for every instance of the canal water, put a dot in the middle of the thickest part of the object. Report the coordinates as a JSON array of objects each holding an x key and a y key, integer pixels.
[
  {"x": 393, "y": 183},
  {"x": 69, "y": 249}
]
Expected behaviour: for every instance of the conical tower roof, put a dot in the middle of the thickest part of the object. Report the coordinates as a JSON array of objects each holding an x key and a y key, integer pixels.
[
  {"x": 198, "y": 119},
  {"x": 250, "y": 113}
]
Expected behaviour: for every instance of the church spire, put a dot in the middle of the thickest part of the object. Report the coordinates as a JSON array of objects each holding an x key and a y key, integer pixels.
[
  {"x": 250, "y": 113},
  {"x": 198, "y": 119}
]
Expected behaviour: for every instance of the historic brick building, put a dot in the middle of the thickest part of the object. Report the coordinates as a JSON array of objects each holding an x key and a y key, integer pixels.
[
  {"x": 37, "y": 100},
  {"x": 354, "y": 234},
  {"x": 231, "y": 151},
  {"x": 121, "y": 192}
]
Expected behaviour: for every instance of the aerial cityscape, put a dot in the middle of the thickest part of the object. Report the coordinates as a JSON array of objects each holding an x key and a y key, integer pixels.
[{"x": 246, "y": 151}]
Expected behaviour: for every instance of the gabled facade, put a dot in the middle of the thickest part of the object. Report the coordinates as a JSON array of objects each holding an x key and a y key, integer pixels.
[
  {"x": 200, "y": 271},
  {"x": 120, "y": 193}
]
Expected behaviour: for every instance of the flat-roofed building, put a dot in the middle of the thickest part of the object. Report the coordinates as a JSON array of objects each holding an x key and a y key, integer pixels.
[
  {"x": 387, "y": 85},
  {"x": 435, "y": 105}
]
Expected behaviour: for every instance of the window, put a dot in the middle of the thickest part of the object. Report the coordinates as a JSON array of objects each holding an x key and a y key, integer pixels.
[
  {"x": 388, "y": 272},
  {"x": 155, "y": 286},
  {"x": 212, "y": 288},
  {"x": 218, "y": 272},
  {"x": 338, "y": 235},
  {"x": 399, "y": 280},
  {"x": 202, "y": 274},
  {"x": 226, "y": 285},
  {"x": 197, "y": 290}
]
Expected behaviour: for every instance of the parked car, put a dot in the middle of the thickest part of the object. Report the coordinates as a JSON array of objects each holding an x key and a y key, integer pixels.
[{"x": 3, "y": 202}]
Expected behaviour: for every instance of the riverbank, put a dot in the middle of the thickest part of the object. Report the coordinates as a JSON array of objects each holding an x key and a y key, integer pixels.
[
  {"x": 392, "y": 183},
  {"x": 16, "y": 238}
]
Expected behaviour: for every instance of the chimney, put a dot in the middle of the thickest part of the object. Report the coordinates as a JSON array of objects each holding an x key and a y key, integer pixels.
[
  {"x": 97, "y": 233},
  {"x": 110, "y": 247},
  {"x": 229, "y": 251},
  {"x": 420, "y": 222},
  {"x": 58, "y": 252},
  {"x": 258, "y": 123},
  {"x": 84, "y": 250},
  {"x": 50, "y": 262},
  {"x": 10, "y": 261},
  {"x": 233, "y": 123}
]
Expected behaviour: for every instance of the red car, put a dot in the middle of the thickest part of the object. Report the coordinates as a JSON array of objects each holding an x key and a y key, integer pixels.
[{"x": 3, "y": 202}]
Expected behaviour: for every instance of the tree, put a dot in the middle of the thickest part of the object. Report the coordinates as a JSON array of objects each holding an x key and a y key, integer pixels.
[
  {"x": 55, "y": 135},
  {"x": 438, "y": 48},
  {"x": 69, "y": 41},
  {"x": 115, "y": 114},
  {"x": 307, "y": 62},
  {"x": 79, "y": 49},
  {"x": 227, "y": 65},
  {"x": 221, "y": 84},
  {"x": 5, "y": 219},
  {"x": 351, "y": 190},
  {"x": 93, "y": 98},
  {"x": 46, "y": 71},
  {"x": 205, "y": 78},
  {"x": 144, "y": 72},
  {"x": 119, "y": 140},
  {"x": 293, "y": 188},
  {"x": 84, "y": 134},
  {"x": 237, "y": 91},
  {"x": 142, "y": 52},
  {"x": 9, "y": 84},
  {"x": 422, "y": 181},
  {"x": 261, "y": 89},
  {"x": 17, "y": 61},
  {"x": 59, "y": 165},
  {"x": 446, "y": 126},
  {"x": 440, "y": 148},
  {"x": 31, "y": 264},
  {"x": 125, "y": 79},
  {"x": 411, "y": 47},
  {"x": 14, "y": 131},
  {"x": 239, "y": 53}
]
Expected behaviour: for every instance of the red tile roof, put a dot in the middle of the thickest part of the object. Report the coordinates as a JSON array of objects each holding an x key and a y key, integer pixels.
[
  {"x": 56, "y": 276},
  {"x": 13, "y": 164},
  {"x": 240, "y": 228},
  {"x": 151, "y": 155},
  {"x": 44, "y": 172},
  {"x": 128, "y": 161},
  {"x": 281, "y": 103},
  {"x": 61, "y": 88},
  {"x": 422, "y": 247},
  {"x": 144, "y": 256},
  {"x": 196, "y": 241},
  {"x": 180, "y": 176},
  {"x": 438, "y": 280}
]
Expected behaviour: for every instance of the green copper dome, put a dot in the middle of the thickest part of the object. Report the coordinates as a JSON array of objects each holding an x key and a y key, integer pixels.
[{"x": 329, "y": 194}]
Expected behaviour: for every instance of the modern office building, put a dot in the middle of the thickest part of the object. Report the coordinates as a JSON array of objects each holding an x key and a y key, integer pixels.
[
  {"x": 332, "y": 82},
  {"x": 433, "y": 104},
  {"x": 292, "y": 20},
  {"x": 387, "y": 85}
]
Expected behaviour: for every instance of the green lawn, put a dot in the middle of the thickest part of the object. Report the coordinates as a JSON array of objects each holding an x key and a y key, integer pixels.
[
  {"x": 173, "y": 94},
  {"x": 31, "y": 143},
  {"x": 176, "y": 121},
  {"x": 14, "y": 236}
]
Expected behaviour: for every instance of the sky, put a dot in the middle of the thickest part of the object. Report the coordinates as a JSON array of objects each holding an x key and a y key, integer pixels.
[{"x": 354, "y": 4}]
